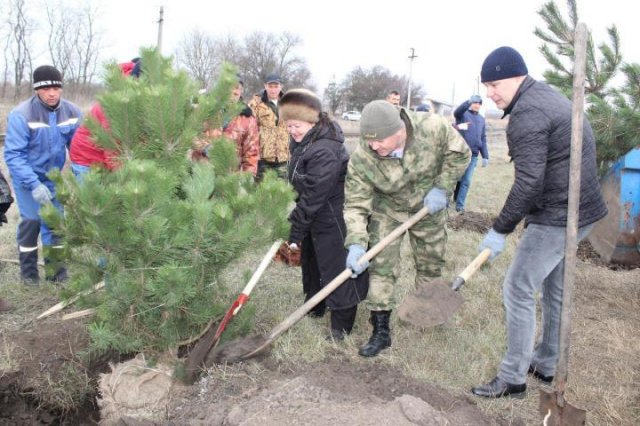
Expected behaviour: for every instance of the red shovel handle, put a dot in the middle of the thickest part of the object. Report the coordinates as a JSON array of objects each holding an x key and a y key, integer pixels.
[{"x": 244, "y": 296}]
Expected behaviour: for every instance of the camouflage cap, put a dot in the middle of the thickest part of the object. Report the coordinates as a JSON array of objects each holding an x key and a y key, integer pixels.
[{"x": 380, "y": 119}]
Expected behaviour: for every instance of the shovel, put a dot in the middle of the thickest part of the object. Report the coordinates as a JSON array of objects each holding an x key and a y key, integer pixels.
[
  {"x": 255, "y": 345},
  {"x": 435, "y": 302},
  {"x": 553, "y": 407},
  {"x": 209, "y": 340}
]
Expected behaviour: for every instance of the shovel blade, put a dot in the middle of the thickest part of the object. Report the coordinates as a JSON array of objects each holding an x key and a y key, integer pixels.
[
  {"x": 556, "y": 415},
  {"x": 432, "y": 304}
]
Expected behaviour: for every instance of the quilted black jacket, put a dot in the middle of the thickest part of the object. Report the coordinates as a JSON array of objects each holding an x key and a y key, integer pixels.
[
  {"x": 539, "y": 140},
  {"x": 317, "y": 169}
]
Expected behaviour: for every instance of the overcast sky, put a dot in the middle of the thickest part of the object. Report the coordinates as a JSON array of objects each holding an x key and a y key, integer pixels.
[{"x": 450, "y": 38}]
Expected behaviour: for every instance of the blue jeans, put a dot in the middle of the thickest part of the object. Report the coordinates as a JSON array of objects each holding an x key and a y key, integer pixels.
[
  {"x": 538, "y": 265},
  {"x": 464, "y": 183}
]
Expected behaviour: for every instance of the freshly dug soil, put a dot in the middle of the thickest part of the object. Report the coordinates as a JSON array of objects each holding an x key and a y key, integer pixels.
[{"x": 336, "y": 391}]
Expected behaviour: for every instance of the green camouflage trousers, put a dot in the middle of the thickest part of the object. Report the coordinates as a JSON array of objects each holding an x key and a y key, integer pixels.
[{"x": 428, "y": 239}]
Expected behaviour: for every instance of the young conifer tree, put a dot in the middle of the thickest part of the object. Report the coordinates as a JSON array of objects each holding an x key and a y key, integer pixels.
[
  {"x": 613, "y": 110},
  {"x": 159, "y": 229}
]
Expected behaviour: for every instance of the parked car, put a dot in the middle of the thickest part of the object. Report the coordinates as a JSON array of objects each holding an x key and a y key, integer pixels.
[{"x": 351, "y": 116}]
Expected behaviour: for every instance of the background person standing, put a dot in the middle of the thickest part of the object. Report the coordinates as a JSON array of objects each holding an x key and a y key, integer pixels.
[
  {"x": 274, "y": 139},
  {"x": 394, "y": 98},
  {"x": 242, "y": 129},
  {"x": 39, "y": 132},
  {"x": 472, "y": 127}
]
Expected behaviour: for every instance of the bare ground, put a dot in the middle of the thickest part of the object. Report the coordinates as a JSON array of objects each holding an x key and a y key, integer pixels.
[
  {"x": 337, "y": 391},
  {"x": 262, "y": 391}
]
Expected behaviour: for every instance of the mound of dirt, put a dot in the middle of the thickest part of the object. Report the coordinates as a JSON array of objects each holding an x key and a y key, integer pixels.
[
  {"x": 471, "y": 221},
  {"x": 35, "y": 355},
  {"x": 45, "y": 375},
  {"x": 333, "y": 392}
]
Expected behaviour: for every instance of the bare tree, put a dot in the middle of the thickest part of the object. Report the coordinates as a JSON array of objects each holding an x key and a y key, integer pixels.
[
  {"x": 18, "y": 53},
  {"x": 89, "y": 46},
  {"x": 74, "y": 42},
  {"x": 62, "y": 37},
  {"x": 256, "y": 56},
  {"x": 362, "y": 86},
  {"x": 266, "y": 53},
  {"x": 197, "y": 53},
  {"x": 333, "y": 97},
  {"x": 5, "y": 39}
]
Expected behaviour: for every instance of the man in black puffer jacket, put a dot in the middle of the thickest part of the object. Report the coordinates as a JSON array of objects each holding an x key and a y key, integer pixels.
[{"x": 539, "y": 140}]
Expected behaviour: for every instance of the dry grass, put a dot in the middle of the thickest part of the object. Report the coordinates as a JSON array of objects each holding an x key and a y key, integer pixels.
[
  {"x": 467, "y": 351},
  {"x": 604, "y": 361}
]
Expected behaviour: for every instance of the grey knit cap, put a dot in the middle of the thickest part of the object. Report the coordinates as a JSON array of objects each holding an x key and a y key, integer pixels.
[{"x": 380, "y": 119}]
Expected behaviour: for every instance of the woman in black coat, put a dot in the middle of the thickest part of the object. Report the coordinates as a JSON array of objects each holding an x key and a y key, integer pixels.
[{"x": 317, "y": 169}]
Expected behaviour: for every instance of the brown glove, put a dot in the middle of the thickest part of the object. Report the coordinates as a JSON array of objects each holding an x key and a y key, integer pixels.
[{"x": 288, "y": 255}]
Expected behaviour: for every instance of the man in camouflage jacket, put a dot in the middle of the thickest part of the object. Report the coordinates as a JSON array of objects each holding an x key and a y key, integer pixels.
[
  {"x": 274, "y": 138},
  {"x": 404, "y": 161}
]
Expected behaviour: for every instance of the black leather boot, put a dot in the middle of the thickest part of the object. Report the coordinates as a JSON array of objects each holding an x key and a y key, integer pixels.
[{"x": 381, "y": 337}]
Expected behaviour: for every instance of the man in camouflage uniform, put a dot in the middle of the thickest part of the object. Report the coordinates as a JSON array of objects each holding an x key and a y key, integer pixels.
[
  {"x": 274, "y": 138},
  {"x": 404, "y": 161}
]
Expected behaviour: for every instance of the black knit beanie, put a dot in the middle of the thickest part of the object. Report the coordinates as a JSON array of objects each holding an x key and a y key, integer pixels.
[
  {"x": 504, "y": 62},
  {"x": 300, "y": 104},
  {"x": 46, "y": 76}
]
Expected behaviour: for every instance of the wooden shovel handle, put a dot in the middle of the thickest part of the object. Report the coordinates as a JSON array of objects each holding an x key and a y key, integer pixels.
[
  {"x": 471, "y": 269},
  {"x": 266, "y": 260},
  {"x": 475, "y": 264},
  {"x": 344, "y": 275}
]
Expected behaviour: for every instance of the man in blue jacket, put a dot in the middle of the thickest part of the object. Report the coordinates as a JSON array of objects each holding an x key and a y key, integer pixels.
[
  {"x": 471, "y": 126},
  {"x": 39, "y": 132}
]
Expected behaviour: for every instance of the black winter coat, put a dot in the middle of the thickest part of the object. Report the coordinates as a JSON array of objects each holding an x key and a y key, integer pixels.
[
  {"x": 539, "y": 140},
  {"x": 317, "y": 170}
]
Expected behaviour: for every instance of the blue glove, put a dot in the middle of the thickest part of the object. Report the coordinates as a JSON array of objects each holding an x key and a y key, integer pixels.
[
  {"x": 436, "y": 200},
  {"x": 41, "y": 194},
  {"x": 356, "y": 251},
  {"x": 485, "y": 162},
  {"x": 493, "y": 241}
]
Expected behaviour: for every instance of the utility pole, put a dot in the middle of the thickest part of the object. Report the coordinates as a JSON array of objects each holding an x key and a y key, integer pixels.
[
  {"x": 160, "y": 21},
  {"x": 411, "y": 58},
  {"x": 453, "y": 93}
]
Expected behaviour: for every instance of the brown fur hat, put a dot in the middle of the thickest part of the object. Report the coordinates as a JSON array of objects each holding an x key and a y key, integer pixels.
[{"x": 300, "y": 104}]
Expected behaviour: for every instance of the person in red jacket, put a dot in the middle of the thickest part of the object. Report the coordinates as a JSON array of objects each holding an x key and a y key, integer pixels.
[{"x": 84, "y": 152}]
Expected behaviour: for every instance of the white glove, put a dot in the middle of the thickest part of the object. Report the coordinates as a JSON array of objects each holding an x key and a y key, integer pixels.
[{"x": 41, "y": 194}]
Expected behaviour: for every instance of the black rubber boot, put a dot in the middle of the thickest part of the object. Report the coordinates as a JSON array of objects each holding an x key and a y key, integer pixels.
[
  {"x": 28, "y": 231},
  {"x": 381, "y": 337},
  {"x": 29, "y": 268}
]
